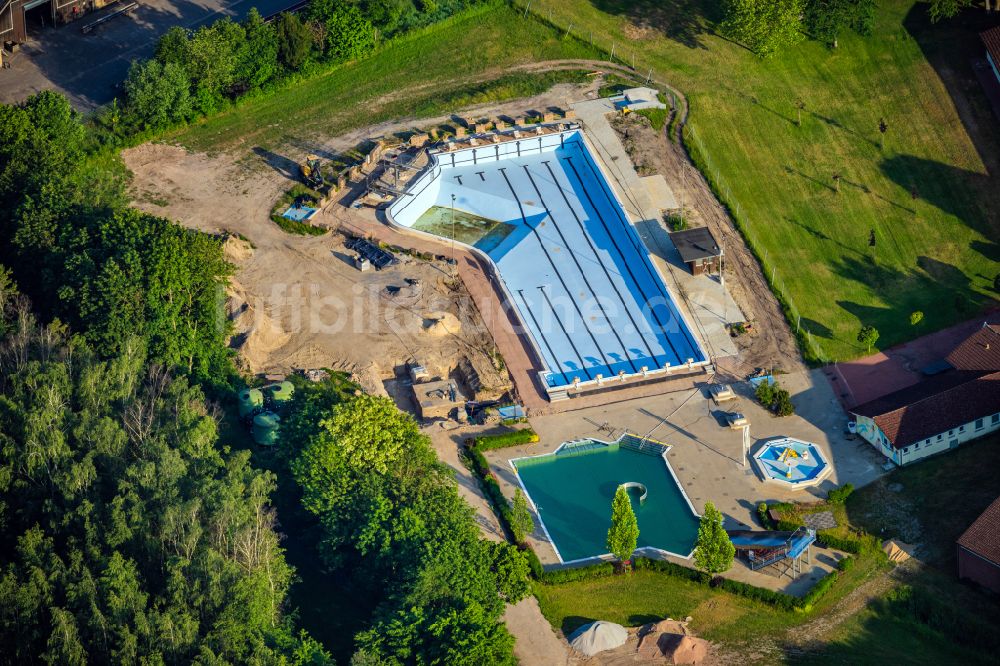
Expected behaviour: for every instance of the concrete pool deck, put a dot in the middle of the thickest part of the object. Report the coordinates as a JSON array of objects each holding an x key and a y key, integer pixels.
[{"x": 706, "y": 455}]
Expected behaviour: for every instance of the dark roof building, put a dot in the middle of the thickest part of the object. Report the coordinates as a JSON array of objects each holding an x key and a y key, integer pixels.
[
  {"x": 960, "y": 403},
  {"x": 979, "y": 549},
  {"x": 991, "y": 40},
  {"x": 698, "y": 249}
]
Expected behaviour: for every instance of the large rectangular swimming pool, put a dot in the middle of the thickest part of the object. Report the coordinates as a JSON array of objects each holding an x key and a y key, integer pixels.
[{"x": 577, "y": 272}]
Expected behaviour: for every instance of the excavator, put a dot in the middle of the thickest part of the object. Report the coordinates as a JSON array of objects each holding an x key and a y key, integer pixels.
[{"x": 312, "y": 174}]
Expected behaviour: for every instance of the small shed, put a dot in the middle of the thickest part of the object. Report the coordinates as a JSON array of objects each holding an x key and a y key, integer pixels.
[{"x": 698, "y": 249}]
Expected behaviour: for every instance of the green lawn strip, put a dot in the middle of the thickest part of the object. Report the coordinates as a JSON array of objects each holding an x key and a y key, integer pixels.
[
  {"x": 933, "y": 253},
  {"x": 422, "y": 73},
  {"x": 646, "y": 596}
]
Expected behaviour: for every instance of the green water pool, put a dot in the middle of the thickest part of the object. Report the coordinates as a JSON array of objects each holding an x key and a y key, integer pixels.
[{"x": 573, "y": 488}]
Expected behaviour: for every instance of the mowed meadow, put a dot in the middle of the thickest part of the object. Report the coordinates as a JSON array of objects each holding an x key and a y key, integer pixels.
[{"x": 928, "y": 193}]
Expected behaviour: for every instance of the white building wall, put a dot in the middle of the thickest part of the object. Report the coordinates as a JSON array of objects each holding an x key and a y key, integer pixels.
[
  {"x": 949, "y": 439},
  {"x": 914, "y": 451}
]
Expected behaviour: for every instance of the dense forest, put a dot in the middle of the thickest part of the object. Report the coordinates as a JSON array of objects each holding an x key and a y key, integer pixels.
[{"x": 134, "y": 531}]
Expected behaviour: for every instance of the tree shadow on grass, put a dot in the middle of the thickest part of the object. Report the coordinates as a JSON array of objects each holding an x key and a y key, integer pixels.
[
  {"x": 684, "y": 21},
  {"x": 571, "y": 623},
  {"x": 932, "y": 285}
]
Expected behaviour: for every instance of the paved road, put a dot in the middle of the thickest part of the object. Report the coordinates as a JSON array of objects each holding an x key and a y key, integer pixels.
[{"x": 89, "y": 68}]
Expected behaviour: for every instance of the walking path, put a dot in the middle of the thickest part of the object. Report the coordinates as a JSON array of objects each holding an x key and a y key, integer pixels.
[{"x": 536, "y": 642}]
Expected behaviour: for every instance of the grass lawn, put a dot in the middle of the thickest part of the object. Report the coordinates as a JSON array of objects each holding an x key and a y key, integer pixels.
[
  {"x": 934, "y": 253},
  {"x": 647, "y": 596},
  {"x": 932, "y": 502},
  {"x": 449, "y": 65}
]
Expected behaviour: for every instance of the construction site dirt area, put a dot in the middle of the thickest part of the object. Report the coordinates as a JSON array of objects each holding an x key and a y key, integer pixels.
[{"x": 299, "y": 302}]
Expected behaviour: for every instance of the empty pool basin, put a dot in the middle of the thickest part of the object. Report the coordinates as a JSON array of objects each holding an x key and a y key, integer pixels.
[
  {"x": 592, "y": 302},
  {"x": 792, "y": 463}
]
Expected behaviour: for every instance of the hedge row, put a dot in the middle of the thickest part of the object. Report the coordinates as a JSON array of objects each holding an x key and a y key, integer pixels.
[
  {"x": 818, "y": 590},
  {"x": 588, "y": 572},
  {"x": 504, "y": 440},
  {"x": 491, "y": 489},
  {"x": 860, "y": 545}
]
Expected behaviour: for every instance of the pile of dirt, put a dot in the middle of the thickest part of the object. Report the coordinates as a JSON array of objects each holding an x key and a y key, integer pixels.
[
  {"x": 439, "y": 324},
  {"x": 236, "y": 250},
  {"x": 255, "y": 334}
]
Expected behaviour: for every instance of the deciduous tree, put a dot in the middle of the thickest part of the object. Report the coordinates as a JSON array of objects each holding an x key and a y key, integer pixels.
[
  {"x": 714, "y": 551},
  {"x": 763, "y": 26}
]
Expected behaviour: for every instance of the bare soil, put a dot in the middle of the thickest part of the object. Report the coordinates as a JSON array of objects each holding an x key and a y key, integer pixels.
[
  {"x": 769, "y": 342},
  {"x": 298, "y": 301}
]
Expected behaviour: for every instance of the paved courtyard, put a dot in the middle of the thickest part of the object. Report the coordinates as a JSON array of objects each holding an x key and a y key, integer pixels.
[{"x": 706, "y": 455}]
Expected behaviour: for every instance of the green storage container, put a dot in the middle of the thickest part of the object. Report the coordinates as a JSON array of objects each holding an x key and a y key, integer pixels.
[
  {"x": 281, "y": 392},
  {"x": 250, "y": 400},
  {"x": 265, "y": 428}
]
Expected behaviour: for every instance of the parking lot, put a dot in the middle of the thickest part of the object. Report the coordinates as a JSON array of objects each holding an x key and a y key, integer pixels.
[{"x": 89, "y": 68}]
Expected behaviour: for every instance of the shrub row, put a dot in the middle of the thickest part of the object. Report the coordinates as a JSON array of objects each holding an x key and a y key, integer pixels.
[
  {"x": 840, "y": 495},
  {"x": 818, "y": 590},
  {"x": 779, "y": 600},
  {"x": 491, "y": 489},
  {"x": 859, "y": 545},
  {"x": 504, "y": 440},
  {"x": 590, "y": 571}
]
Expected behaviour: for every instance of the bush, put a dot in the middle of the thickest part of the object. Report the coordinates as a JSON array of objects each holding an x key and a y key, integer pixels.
[
  {"x": 765, "y": 393},
  {"x": 534, "y": 563},
  {"x": 765, "y": 519},
  {"x": 819, "y": 589},
  {"x": 840, "y": 495},
  {"x": 601, "y": 570},
  {"x": 505, "y": 440},
  {"x": 782, "y": 405},
  {"x": 775, "y": 398},
  {"x": 669, "y": 568},
  {"x": 676, "y": 221},
  {"x": 777, "y": 599},
  {"x": 846, "y": 564},
  {"x": 860, "y": 545}
]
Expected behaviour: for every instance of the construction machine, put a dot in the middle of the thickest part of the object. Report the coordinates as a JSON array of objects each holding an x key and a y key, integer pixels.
[{"x": 312, "y": 174}]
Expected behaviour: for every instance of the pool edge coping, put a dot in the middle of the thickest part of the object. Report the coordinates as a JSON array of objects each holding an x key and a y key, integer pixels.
[
  {"x": 789, "y": 485},
  {"x": 603, "y": 557}
]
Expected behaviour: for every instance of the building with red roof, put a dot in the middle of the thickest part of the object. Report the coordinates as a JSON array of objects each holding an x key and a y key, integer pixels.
[
  {"x": 959, "y": 402},
  {"x": 979, "y": 549}
]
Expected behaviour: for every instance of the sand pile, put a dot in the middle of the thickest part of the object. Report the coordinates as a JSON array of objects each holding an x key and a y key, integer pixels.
[
  {"x": 439, "y": 324},
  {"x": 255, "y": 334},
  {"x": 236, "y": 250}
]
